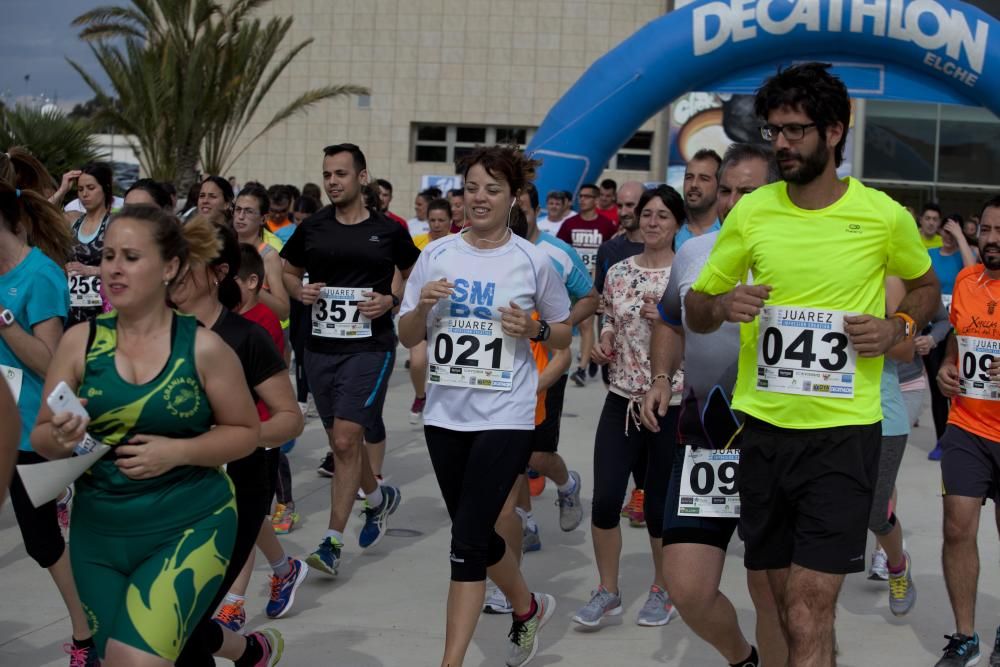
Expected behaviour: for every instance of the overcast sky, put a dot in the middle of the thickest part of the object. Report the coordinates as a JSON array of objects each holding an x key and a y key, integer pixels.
[{"x": 37, "y": 39}]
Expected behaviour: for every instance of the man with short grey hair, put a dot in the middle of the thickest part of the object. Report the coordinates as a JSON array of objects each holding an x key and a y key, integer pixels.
[{"x": 694, "y": 545}]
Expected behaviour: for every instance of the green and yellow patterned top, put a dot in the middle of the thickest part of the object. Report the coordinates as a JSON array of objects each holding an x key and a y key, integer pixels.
[{"x": 174, "y": 405}]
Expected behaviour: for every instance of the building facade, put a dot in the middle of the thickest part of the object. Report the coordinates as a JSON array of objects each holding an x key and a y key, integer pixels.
[{"x": 446, "y": 75}]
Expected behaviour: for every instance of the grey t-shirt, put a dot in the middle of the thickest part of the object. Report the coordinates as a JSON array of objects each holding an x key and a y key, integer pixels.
[{"x": 709, "y": 359}]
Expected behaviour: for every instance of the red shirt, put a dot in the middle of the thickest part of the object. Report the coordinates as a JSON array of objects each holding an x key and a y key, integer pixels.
[
  {"x": 393, "y": 216},
  {"x": 266, "y": 318},
  {"x": 610, "y": 213},
  {"x": 587, "y": 236},
  {"x": 457, "y": 229}
]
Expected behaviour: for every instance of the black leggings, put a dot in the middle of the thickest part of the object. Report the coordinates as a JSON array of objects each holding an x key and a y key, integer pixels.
[
  {"x": 615, "y": 456},
  {"x": 476, "y": 471},
  {"x": 252, "y": 505},
  {"x": 940, "y": 405},
  {"x": 299, "y": 327},
  {"x": 39, "y": 525}
]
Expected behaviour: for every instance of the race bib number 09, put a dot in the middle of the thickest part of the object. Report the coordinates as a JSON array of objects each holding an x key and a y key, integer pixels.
[
  {"x": 14, "y": 378},
  {"x": 709, "y": 484},
  {"x": 335, "y": 313},
  {"x": 805, "y": 352},
  {"x": 470, "y": 352},
  {"x": 84, "y": 291},
  {"x": 975, "y": 356}
]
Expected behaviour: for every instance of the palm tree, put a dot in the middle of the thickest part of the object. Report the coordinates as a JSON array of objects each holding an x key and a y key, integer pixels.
[
  {"x": 189, "y": 76},
  {"x": 59, "y": 142}
]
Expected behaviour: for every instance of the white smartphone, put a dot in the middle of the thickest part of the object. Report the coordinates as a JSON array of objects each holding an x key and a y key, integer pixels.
[{"x": 62, "y": 399}]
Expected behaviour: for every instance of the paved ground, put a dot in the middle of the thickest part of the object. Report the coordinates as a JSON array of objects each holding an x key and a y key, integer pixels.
[{"x": 387, "y": 607}]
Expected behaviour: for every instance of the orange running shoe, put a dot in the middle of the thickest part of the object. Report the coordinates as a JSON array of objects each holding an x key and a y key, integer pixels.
[{"x": 634, "y": 510}]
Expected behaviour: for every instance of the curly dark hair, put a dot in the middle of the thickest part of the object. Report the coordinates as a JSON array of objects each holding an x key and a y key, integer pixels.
[{"x": 810, "y": 88}]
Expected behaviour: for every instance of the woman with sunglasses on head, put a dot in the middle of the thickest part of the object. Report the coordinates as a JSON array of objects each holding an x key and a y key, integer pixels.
[
  {"x": 154, "y": 520},
  {"x": 471, "y": 296},
  {"x": 215, "y": 196},
  {"x": 93, "y": 188}
]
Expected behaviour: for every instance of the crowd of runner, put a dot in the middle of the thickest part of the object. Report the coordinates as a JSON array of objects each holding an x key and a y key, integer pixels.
[{"x": 766, "y": 337}]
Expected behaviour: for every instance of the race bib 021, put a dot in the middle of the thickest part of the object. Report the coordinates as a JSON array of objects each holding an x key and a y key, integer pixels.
[
  {"x": 975, "y": 356},
  {"x": 335, "y": 313},
  {"x": 806, "y": 352},
  {"x": 14, "y": 378},
  {"x": 84, "y": 291},
  {"x": 470, "y": 352},
  {"x": 709, "y": 483}
]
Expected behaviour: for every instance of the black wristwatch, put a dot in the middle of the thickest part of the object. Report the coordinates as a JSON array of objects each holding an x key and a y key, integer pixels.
[
  {"x": 543, "y": 332},
  {"x": 395, "y": 301}
]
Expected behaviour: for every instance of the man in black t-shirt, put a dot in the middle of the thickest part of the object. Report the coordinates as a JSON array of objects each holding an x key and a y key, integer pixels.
[{"x": 350, "y": 254}]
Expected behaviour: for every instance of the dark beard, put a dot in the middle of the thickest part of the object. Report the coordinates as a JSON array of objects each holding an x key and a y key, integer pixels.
[
  {"x": 809, "y": 169},
  {"x": 993, "y": 264}
]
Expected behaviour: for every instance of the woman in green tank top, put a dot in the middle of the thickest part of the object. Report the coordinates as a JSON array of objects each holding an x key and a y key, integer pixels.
[{"x": 154, "y": 520}]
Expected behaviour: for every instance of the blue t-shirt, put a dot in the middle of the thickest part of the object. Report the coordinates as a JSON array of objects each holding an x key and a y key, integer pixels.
[
  {"x": 946, "y": 267},
  {"x": 684, "y": 233},
  {"x": 35, "y": 290},
  {"x": 285, "y": 233},
  {"x": 568, "y": 264},
  {"x": 895, "y": 417}
]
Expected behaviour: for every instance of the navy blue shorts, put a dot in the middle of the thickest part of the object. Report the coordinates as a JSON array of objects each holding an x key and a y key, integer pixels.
[
  {"x": 351, "y": 387},
  {"x": 687, "y": 528}
]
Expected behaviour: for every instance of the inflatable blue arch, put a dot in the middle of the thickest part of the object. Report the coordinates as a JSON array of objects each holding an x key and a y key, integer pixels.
[{"x": 930, "y": 50}]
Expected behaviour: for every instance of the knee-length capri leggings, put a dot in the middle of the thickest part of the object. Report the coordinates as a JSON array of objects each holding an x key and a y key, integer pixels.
[
  {"x": 615, "y": 454},
  {"x": 476, "y": 471}
]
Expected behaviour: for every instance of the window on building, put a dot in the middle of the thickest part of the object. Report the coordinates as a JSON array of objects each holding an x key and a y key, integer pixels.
[
  {"x": 931, "y": 143},
  {"x": 635, "y": 155},
  {"x": 449, "y": 143},
  {"x": 899, "y": 140}
]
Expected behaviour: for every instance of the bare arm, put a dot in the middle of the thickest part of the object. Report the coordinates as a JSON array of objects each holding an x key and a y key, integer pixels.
[
  {"x": 560, "y": 335},
  {"x": 894, "y": 293},
  {"x": 558, "y": 364},
  {"x": 275, "y": 296},
  {"x": 584, "y": 308},
  {"x": 286, "y": 420},
  {"x": 66, "y": 366},
  {"x": 666, "y": 349},
  {"x": 34, "y": 348},
  {"x": 922, "y": 299},
  {"x": 291, "y": 277}
]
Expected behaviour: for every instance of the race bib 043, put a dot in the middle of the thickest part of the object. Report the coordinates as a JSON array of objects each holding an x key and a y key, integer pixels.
[
  {"x": 84, "y": 291},
  {"x": 14, "y": 378},
  {"x": 806, "y": 352},
  {"x": 709, "y": 485},
  {"x": 335, "y": 313},
  {"x": 975, "y": 356},
  {"x": 470, "y": 352}
]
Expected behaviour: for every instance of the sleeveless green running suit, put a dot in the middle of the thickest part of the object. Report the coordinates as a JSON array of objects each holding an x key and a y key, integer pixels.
[{"x": 148, "y": 555}]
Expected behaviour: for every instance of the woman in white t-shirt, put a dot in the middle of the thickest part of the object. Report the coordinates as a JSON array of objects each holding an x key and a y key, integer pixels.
[
  {"x": 471, "y": 296},
  {"x": 632, "y": 290}
]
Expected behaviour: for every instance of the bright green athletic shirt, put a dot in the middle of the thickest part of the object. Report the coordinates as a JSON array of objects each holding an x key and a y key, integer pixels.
[
  {"x": 174, "y": 405},
  {"x": 835, "y": 258}
]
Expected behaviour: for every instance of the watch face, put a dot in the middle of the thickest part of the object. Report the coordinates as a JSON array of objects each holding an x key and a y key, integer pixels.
[{"x": 7, "y": 317}]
